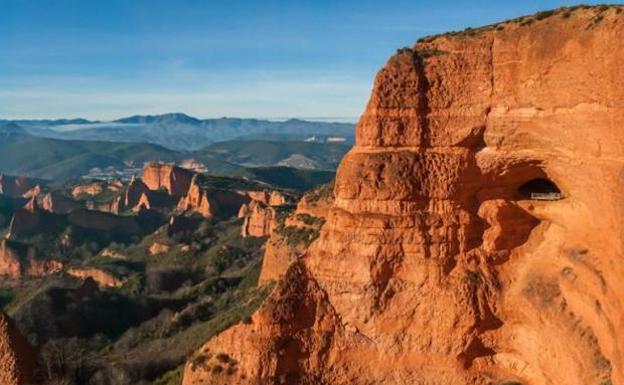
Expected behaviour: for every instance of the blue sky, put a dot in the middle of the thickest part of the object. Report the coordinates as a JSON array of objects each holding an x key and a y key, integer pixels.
[{"x": 103, "y": 59}]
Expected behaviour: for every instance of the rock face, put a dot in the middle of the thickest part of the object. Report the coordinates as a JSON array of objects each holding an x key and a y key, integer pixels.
[
  {"x": 57, "y": 203},
  {"x": 158, "y": 248},
  {"x": 17, "y": 360},
  {"x": 135, "y": 191},
  {"x": 18, "y": 260},
  {"x": 433, "y": 266},
  {"x": 289, "y": 240},
  {"x": 260, "y": 215},
  {"x": 15, "y": 186},
  {"x": 27, "y": 219},
  {"x": 258, "y": 219},
  {"x": 101, "y": 277},
  {"x": 175, "y": 180},
  {"x": 269, "y": 198},
  {"x": 92, "y": 189},
  {"x": 196, "y": 200}
]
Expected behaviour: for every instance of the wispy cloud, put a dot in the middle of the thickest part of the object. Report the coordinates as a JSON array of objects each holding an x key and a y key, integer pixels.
[{"x": 261, "y": 94}]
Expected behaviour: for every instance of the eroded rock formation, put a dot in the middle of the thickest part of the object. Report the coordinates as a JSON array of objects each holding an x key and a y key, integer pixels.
[
  {"x": 15, "y": 186},
  {"x": 175, "y": 180},
  {"x": 260, "y": 215},
  {"x": 196, "y": 200},
  {"x": 18, "y": 260},
  {"x": 433, "y": 267},
  {"x": 57, "y": 203},
  {"x": 258, "y": 219},
  {"x": 17, "y": 360},
  {"x": 94, "y": 188},
  {"x": 292, "y": 235},
  {"x": 101, "y": 277},
  {"x": 135, "y": 191}
]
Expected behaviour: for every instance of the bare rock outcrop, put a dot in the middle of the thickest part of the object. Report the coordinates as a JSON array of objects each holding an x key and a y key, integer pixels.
[
  {"x": 269, "y": 197},
  {"x": 27, "y": 219},
  {"x": 18, "y": 260},
  {"x": 57, "y": 203},
  {"x": 292, "y": 235},
  {"x": 135, "y": 191},
  {"x": 196, "y": 200},
  {"x": 94, "y": 188},
  {"x": 15, "y": 186},
  {"x": 158, "y": 248},
  {"x": 259, "y": 219},
  {"x": 114, "y": 206},
  {"x": 175, "y": 180},
  {"x": 101, "y": 277},
  {"x": 435, "y": 266},
  {"x": 260, "y": 215},
  {"x": 17, "y": 359}
]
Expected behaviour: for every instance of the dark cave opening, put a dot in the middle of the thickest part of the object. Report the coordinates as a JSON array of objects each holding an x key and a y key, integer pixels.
[{"x": 540, "y": 189}]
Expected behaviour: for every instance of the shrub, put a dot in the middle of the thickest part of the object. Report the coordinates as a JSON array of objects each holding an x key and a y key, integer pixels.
[
  {"x": 544, "y": 15},
  {"x": 198, "y": 360},
  {"x": 223, "y": 358}
]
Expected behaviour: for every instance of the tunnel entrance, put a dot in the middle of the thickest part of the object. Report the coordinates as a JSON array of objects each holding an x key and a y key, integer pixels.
[{"x": 540, "y": 189}]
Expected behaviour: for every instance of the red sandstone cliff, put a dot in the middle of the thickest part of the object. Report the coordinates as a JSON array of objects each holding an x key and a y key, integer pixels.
[
  {"x": 17, "y": 360},
  {"x": 136, "y": 189},
  {"x": 258, "y": 219},
  {"x": 59, "y": 204},
  {"x": 175, "y": 180},
  {"x": 197, "y": 200},
  {"x": 260, "y": 215},
  {"x": 101, "y": 277},
  {"x": 18, "y": 260},
  {"x": 291, "y": 236},
  {"x": 94, "y": 188},
  {"x": 434, "y": 267}
]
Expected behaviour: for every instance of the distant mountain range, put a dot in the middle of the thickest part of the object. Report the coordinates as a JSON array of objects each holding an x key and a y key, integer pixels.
[
  {"x": 181, "y": 132},
  {"x": 22, "y": 153}
]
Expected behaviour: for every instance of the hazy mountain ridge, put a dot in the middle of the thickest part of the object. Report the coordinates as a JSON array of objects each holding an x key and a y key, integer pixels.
[{"x": 176, "y": 130}]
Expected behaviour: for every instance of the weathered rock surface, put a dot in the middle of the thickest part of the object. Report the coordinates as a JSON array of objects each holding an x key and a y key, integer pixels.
[
  {"x": 158, "y": 248},
  {"x": 290, "y": 240},
  {"x": 57, "y": 203},
  {"x": 114, "y": 206},
  {"x": 258, "y": 219},
  {"x": 260, "y": 215},
  {"x": 175, "y": 180},
  {"x": 17, "y": 360},
  {"x": 27, "y": 219},
  {"x": 196, "y": 200},
  {"x": 18, "y": 260},
  {"x": 93, "y": 188},
  {"x": 432, "y": 267},
  {"x": 15, "y": 186},
  {"x": 135, "y": 191},
  {"x": 101, "y": 277},
  {"x": 269, "y": 197}
]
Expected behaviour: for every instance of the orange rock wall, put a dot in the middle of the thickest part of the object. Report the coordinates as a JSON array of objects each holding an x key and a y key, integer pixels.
[
  {"x": 174, "y": 179},
  {"x": 431, "y": 267},
  {"x": 258, "y": 219},
  {"x": 197, "y": 200},
  {"x": 17, "y": 360},
  {"x": 101, "y": 277},
  {"x": 18, "y": 260}
]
